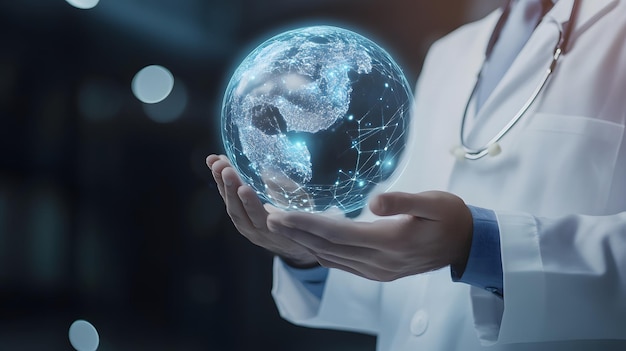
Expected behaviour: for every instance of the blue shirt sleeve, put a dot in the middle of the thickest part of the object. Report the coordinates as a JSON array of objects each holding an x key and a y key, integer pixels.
[
  {"x": 314, "y": 279},
  {"x": 484, "y": 265}
]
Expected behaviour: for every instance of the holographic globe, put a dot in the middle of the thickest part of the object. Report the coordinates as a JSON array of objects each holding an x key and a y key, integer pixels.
[{"x": 315, "y": 118}]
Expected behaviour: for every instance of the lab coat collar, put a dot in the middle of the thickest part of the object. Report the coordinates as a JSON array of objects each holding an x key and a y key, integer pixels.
[{"x": 590, "y": 11}]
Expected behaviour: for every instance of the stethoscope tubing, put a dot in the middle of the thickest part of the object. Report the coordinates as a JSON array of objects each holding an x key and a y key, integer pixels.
[{"x": 492, "y": 147}]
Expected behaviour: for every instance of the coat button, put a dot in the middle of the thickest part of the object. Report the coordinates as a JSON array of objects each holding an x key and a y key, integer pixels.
[{"x": 419, "y": 323}]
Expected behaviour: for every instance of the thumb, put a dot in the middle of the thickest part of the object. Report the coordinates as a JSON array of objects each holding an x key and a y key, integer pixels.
[{"x": 428, "y": 205}]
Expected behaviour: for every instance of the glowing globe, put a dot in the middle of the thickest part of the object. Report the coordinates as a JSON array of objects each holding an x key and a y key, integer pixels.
[{"x": 315, "y": 118}]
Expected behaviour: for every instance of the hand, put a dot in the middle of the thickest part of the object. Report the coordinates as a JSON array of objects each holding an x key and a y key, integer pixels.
[
  {"x": 431, "y": 230},
  {"x": 250, "y": 216}
]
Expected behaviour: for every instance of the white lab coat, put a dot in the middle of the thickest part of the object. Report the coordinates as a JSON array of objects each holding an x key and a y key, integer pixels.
[{"x": 558, "y": 189}]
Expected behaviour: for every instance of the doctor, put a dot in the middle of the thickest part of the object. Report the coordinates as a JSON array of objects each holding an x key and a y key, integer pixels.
[{"x": 529, "y": 213}]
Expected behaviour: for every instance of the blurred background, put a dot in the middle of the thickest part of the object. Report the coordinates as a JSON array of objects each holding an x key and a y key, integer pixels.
[{"x": 107, "y": 210}]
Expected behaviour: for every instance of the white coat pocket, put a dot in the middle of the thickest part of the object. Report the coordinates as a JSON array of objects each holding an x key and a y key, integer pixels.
[{"x": 569, "y": 163}]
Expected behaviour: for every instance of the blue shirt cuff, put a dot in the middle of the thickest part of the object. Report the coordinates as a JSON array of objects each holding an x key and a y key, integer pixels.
[
  {"x": 484, "y": 265},
  {"x": 314, "y": 279}
]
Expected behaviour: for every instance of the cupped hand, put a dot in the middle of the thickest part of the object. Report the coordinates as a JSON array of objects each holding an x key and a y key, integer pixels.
[
  {"x": 249, "y": 215},
  {"x": 424, "y": 232}
]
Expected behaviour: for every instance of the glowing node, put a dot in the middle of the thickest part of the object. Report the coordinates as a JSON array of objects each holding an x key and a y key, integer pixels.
[
  {"x": 83, "y": 336},
  {"x": 83, "y": 4},
  {"x": 152, "y": 84}
]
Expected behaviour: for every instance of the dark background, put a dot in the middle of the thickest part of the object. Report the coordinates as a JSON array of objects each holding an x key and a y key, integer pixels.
[{"x": 110, "y": 216}]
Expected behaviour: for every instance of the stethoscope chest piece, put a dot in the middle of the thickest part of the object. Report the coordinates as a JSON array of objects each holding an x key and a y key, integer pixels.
[{"x": 461, "y": 153}]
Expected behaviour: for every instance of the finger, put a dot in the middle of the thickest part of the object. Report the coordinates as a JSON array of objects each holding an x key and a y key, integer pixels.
[
  {"x": 224, "y": 158},
  {"x": 363, "y": 260},
  {"x": 253, "y": 207},
  {"x": 320, "y": 246},
  {"x": 234, "y": 206},
  {"x": 219, "y": 165},
  {"x": 211, "y": 159},
  {"x": 427, "y": 205},
  {"x": 302, "y": 237},
  {"x": 217, "y": 168},
  {"x": 340, "y": 237},
  {"x": 271, "y": 208},
  {"x": 344, "y": 254},
  {"x": 333, "y": 212},
  {"x": 330, "y": 264},
  {"x": 220, "y": 183},
  {"x": 216, "y": 171}
]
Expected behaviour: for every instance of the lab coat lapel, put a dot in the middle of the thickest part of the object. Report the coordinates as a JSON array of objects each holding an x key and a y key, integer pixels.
[
  {"x": 439, "y": 128},
  {"x": 446, "y": 135}
]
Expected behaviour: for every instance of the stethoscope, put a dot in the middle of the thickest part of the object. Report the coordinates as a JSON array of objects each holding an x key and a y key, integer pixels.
[{"x": 492, "y": 147}]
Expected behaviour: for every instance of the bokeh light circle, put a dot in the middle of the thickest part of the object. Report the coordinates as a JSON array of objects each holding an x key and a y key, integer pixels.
[
  {"x": 315, "y": 118},
  {"x": 84, "y": 336},
  {"x": 170, "y": 109},
  {"x": 83, "y": 4},
  {"x": 152, "y": 84}
]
